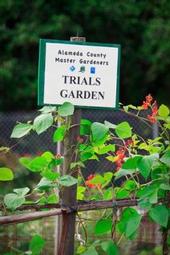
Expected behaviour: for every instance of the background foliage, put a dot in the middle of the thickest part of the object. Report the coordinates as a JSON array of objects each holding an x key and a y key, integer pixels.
[{"x": 141, "y": 27}]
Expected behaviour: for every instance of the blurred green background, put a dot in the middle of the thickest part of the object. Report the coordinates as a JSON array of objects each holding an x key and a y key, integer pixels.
[{"x": 141, "y": 27}]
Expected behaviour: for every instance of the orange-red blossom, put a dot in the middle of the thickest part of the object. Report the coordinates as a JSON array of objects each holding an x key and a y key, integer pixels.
[
  {"x": 152, "y": 117},
  {"x": 91, "y": 185}
]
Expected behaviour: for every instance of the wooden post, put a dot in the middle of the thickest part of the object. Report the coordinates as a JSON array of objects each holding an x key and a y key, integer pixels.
[{"x": 68, "y": 195}]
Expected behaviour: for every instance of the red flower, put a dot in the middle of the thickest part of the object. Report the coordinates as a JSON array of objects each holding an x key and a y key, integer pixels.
[
  {"x": 152, "y": 117},
  {"x": 120, "y": 153},
  {"x": 129, "y": 142},
  {"x": 91, "y": 185},
  {"x": 149, "y": 99},
  {"x": 147, "y": 102}
]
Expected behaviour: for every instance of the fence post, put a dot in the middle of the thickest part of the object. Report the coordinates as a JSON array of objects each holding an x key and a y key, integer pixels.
[{"x": 68, "y": 195}]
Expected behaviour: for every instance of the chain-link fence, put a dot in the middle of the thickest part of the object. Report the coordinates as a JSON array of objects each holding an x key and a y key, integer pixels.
[{"x": 34, "y": 144}]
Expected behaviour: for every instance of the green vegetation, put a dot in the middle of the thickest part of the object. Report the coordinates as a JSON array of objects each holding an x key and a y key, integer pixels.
[{"x": 141, "y": 166}]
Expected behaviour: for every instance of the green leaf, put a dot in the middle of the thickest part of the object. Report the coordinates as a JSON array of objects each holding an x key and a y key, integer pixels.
[
  {"x": 67, "y": 180},
  {"x": 13, "y": 201},
  {"x": 103, "y": 226},
  {"x": 108, "y": 176},
  {"x": 123, "y": 172},
  {"x": 50, "y": 175},
  {"x": 24, "y": 161},
  {"x": 160, "y": 215},
  {"x": 59, "y": 134},
  {"x": 99, "y": 131},
  {"x": 90, "y": 251},
  {"x": 131, "y": 163},
  {"x": 166, "y": 158},
  {"x": 43, "y": 122},
  {"x": 77, "y": 164},
  {"x": 123, "y": 130},
  {"x": 105, "y": 149},
  {"x": 109, "y": 125},
  {"x": 48, "y": 155},
  {"x": 163, "y": 111},
  {"x": 122, "y": 193},
  {"x": 56, "y": 162},
  {"x": 52, "y": 199},
  {"x": 21, "y": 130},
  {"x": 145, "y": 164},
  {"x": 133, "y": 224},
  {"x": 97, "y": 179},
  {"x": 108, "y": 194},
  {"x": 80, "y": 192},
  {"x": 6, "y": 174},
  {"x": 80, "y": 249},
  {"x": 66, "y": 109},
  {"x": 22, "y": 191},
  {"x": 38, "y": 164},
  {"x": 110, "y": 248},
  {"x": 48, "y": 109},
  {"x": 36, "y": 245},
  {"x": 85, "y": 126},
  {"x": 129, "y": 222},
  {"x": 44, "y": 184},
  {"x": 86, "y": 155},
  {"x": 130, "y": 185}
]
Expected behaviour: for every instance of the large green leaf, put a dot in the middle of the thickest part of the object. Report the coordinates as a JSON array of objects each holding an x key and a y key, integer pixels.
[
  {"x": 59, "y": 133},
  {"x": 131, "y": 163},
  {"x": 38, "y": 164},
  {"x": 103, "y": 226},
  {"x": 133, "y": 224},
  {"x": 99, "y": 131},
  {"x": 43, "y": 122},
  {"x": 21, "y": 130},
  {"x": 145, "y": 164},
  {"x": 129, "y": 222},
  {"x": 6, "y": 174},
  {"x": 13, "y": 201},
  {"x": 66, "y": 109},
  {"x": 110, "y": 247},
  {"x": 163, "y": 111},
  {"x": 36, "y": 245},
  {"x": 123, "y": 130},
  {"x": 67, "y": 180},
  {"x": 160, "y": 215}
]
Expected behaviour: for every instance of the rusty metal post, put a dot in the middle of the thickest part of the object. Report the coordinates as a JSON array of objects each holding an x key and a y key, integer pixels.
[{"x": 68, "y": 195}]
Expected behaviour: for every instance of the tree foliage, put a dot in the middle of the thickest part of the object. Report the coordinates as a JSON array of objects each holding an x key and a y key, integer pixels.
[{"x": 141, "y": 27}]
